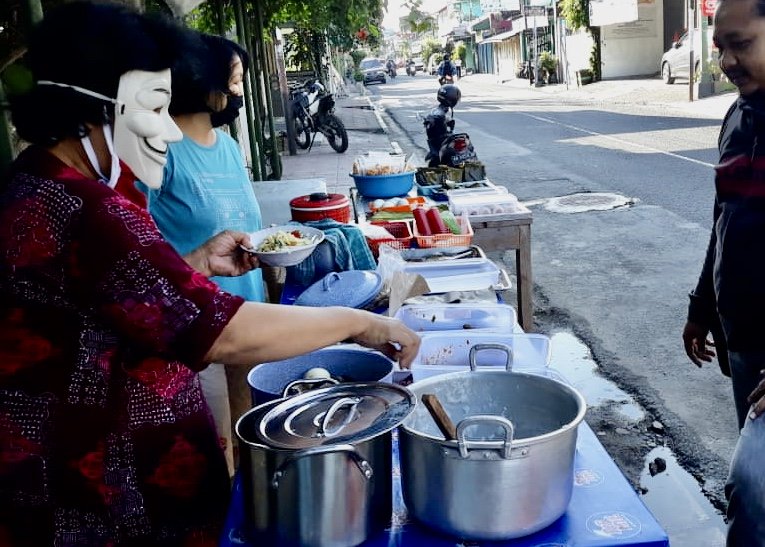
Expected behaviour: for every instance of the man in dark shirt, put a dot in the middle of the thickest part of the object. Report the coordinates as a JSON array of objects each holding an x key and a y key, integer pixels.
[{"x": 731, "y": 288}]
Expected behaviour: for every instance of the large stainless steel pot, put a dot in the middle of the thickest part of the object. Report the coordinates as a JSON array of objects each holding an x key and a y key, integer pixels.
[
  {"x": 510, "y": 471},
  {"x": 316, "y": 468}
]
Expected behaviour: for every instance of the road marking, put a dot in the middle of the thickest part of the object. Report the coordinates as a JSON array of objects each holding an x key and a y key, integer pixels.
[{"x": 616, "y": 139}]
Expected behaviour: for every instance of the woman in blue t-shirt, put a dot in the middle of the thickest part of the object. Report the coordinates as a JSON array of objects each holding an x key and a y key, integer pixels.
[{"x": 206, "y": 188}]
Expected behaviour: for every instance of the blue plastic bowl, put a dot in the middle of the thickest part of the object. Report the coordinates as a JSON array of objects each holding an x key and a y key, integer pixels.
[
  {"x": 268, "y": 380},
  {"x": 384, "y": 186}
]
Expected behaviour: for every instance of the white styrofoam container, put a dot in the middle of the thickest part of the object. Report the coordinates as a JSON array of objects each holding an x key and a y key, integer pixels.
[
  {"x": 483, "y": 204},
  {"x": 461, "y": 317},
  {"x": 444, "y": 352},
  {"x": 469, "y": 274}
]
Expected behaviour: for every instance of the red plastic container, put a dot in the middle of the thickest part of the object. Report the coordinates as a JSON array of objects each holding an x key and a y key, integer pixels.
[
  {"x": 402, "y": 236},
  {"x": 319, "y": 206}
]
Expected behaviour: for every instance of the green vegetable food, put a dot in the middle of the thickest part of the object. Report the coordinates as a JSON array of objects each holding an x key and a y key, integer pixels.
[{"x": 451, "y": 222}]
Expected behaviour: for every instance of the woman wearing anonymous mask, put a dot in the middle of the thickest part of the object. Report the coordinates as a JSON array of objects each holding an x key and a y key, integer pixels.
[
  {"x": 105, "y": 437},
  {"x": 206, "y": 188}
]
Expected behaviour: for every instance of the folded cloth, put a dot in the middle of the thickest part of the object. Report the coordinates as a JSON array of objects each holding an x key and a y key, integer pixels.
[{"x": 349, "y": 248}]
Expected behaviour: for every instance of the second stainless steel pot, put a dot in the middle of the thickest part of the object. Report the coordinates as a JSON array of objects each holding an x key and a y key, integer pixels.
[
  {"x": 510, "y": 471},
  {"x": 316, "y": 468}
]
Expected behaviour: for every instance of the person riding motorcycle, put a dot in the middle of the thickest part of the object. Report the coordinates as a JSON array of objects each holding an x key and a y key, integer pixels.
[
  {"x": 390, "y": 68},
  {"x": 411, "y": 67},
  {"x": 446, "y": 70}
]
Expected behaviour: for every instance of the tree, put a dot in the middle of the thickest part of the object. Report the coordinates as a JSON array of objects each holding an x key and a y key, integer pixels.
[
  {"x": 577, "y": 15},
  {"x": 417, "y": 21}
]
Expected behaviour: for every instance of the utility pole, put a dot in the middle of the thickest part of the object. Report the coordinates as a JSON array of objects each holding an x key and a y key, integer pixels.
[
  {"x": 692, "y": 39},
  {"x": 706, "y": 87}
]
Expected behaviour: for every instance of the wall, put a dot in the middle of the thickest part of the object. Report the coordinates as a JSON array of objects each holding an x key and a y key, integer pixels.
[
  {"x": 507, "y": 55},
  {"x": 578, "y": 48},
  {"x": 634, "y": 49}
]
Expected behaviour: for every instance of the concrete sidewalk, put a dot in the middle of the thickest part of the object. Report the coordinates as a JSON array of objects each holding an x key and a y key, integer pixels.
[
  {"x": 630, "y": 91},
  {"x": 366, "y": 131}
]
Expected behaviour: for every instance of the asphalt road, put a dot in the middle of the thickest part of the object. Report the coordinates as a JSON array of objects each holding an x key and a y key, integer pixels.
[{"x": 618, "y": 278}]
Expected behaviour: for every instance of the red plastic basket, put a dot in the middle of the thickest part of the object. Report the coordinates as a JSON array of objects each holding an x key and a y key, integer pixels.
[
  {"x": 401, "y": 231},
  {"x": 447, "y": 240}
]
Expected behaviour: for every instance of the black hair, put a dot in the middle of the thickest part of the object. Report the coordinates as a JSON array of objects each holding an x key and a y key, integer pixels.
[
  {"x": 88, "y": 45},
  {"x": 204, "y": 68},
  {"x": 759, "y": 6}
]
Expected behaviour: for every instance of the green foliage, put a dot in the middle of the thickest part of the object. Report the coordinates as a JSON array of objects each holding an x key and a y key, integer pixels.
[
  {"x": 595, "y": 54},
  {"x": 358, "y": 55},
  {"x": 358, "y": 75},
  {"x": 429, "y": 47},
  {"x": 548, "y": 62},
  {"x": 204, "y": 18},
  {"x": 576, "y": 13},
  {"x": 417, "y": 21},
  {"x": 460, "y": 51}
]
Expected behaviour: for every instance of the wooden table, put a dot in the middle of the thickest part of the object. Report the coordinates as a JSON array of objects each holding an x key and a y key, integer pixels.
[
  {"x": 511, "y": 234},
  {"x": 494, "y": 233}
]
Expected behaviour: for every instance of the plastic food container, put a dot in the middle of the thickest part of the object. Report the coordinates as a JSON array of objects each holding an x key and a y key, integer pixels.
[
  {"x": 483, "y": 204},
  {"x": 319, "y": 206},
  {"x": 444, "y": 352},
  {"x": 459, "y": 317},
  {"x": 469, "y": 274},
  {"x": 384, "y": 186}
]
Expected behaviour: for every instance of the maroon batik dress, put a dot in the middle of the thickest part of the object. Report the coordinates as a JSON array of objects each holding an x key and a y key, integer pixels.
[{"x": 105, "y": 438}]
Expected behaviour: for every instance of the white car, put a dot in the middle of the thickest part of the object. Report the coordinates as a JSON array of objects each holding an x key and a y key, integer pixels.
[{"x": 676, "y": 61}]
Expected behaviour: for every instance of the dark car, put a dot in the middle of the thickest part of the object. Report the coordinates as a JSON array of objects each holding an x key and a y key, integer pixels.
[{"x": 373, "y": 71}]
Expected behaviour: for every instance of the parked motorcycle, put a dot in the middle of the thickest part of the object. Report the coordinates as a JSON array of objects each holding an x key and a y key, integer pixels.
[
  {"x": 444, "y": 146},
  {"x": 313, "y": 111},
  {"x": 525, "y": 71}
]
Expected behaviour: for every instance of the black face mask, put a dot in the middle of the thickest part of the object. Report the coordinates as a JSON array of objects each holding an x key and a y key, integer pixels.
[{"x": 229, "y": 113}]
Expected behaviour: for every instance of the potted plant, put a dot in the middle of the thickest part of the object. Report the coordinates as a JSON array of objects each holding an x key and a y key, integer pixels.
[
  {"x": 548, "y": 63},
  {"x": 584, "y": 76}
]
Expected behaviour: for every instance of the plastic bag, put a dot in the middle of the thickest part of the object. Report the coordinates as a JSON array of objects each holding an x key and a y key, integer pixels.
[{"x": 388, "y": 263}]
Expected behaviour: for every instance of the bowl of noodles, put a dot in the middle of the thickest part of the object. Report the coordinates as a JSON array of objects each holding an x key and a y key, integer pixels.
[{"x": 285, "y": 245}]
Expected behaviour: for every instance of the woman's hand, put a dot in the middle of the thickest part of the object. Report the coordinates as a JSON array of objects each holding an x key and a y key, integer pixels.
[
  {"x": 222, "y": 255},
  {"x": 391, "y": 337},
  {"x": 697, "y": 346}
]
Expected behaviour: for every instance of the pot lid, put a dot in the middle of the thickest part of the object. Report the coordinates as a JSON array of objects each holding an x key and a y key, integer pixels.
[
  {"x": 345, "y": 413},
  {"x": 352, "y": 288},
  {"x": 320, "y": 200}
]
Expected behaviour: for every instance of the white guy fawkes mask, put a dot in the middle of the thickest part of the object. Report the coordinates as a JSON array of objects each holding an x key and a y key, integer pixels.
[{"x": 142, "y": 124}]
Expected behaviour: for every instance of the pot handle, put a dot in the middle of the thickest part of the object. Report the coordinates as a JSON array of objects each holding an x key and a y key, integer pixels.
[
  {"x": 324, "y": 429},
  {"x": 507, "y": 350},
  {"x": 482, "y": 419},
  {"x": 329, "y": 279},
  {"x": 305, "y": 383},
  {"x": 360, "y": 462}
]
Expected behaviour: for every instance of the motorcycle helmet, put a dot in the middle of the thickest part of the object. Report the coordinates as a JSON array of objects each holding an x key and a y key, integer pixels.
[
  {"x": 316, "y": 86},
  {"x": 446, "y": 57},
  {"x": 449, "y": 95}
]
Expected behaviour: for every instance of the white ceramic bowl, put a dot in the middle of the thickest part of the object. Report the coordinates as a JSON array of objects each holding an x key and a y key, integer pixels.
[{"x": 290, "y": 256}]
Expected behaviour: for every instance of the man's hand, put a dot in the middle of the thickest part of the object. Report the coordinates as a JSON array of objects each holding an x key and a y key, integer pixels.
[
  {"x": 757, "y": 399},
  {"x": 222, "y": 255},
  {"x": 697, "y": 346}
]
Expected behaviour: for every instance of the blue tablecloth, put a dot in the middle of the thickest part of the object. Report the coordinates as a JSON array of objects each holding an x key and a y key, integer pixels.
[{"x": 604, "y": 511}]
